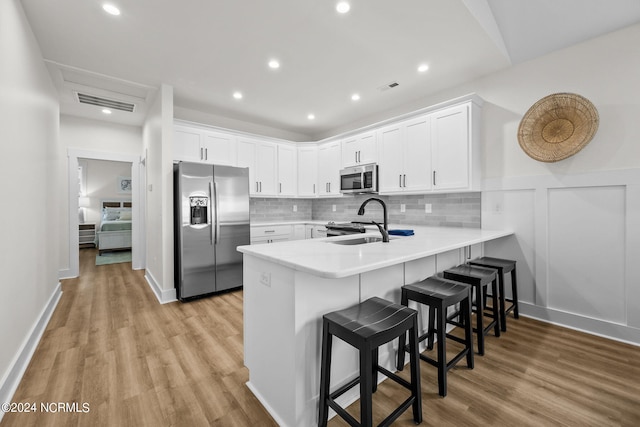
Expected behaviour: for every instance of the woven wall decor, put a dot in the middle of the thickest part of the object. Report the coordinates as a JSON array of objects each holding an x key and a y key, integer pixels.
[{"x": 557, "y": 127}]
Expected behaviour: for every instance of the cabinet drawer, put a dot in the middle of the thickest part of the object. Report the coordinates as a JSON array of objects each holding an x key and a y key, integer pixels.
[
  {"x": 275, "y": 230},
  {"x": 261, "y": 240}
]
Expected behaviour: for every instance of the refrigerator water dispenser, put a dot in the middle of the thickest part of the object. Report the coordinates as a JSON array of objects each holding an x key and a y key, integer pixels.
[{"x": 199, "y": 206}]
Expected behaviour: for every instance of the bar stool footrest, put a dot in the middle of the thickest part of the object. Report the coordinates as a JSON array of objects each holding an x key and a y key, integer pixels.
[
  {"x": 342, "y": 390},
  {"x": 387, "y": 421}
]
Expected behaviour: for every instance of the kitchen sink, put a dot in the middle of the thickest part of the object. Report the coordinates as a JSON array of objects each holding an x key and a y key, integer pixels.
[{"x": 358, "y": 240}]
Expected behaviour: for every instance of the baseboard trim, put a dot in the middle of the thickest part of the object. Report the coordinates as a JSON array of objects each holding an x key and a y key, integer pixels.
[
  {"x": 10, "y": 382},
  {"x": 588, "y": 325},
  {"x": 66, "y": 274},
  {"x": 266, "y": 405},
  {"x": 162, "y": 295}
]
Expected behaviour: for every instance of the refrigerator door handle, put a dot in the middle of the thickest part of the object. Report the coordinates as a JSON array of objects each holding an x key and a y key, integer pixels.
[
  {"x": 211, "y": 201},
  {"x": 217, "y": 239}
]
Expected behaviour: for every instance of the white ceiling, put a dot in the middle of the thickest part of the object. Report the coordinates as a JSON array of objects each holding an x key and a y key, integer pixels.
[{"x": 207, "y": 50}]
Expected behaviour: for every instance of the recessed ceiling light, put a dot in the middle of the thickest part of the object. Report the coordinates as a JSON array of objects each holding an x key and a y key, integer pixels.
[
  {"x": 422, "y": 68},
  {"x": 106, "y": 111},
  {"x": 111, "y": 9},
  {"x": 355, "y": 97},
  {"x": 237, "y": 95},
  {"x": 274, "y": 64},
  {"x": 311, "y": 116},
  {"x": 343, "y": 7}
]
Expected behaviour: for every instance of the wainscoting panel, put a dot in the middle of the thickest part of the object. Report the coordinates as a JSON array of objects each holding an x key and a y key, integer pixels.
[
  {"x": 577, "y": 243},
  {"x": 586, "y": 249}
]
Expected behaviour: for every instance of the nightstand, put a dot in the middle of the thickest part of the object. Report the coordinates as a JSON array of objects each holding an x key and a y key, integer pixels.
[{"x": 87, "y": 235}]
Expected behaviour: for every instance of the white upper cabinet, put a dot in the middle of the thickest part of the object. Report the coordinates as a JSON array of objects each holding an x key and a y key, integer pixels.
[
  {"x": 452, "y": 150},
  {"x": 417, "y": 154},
  {"x": 437, "y": 152},
  {"x": 307, "y": 171},
  {"x": 359, "y": 149},
  {"x": 261, "y": 159},
  {"x": 287, "y": 170},
  {"x": 186, "y": 144},
  {"x": 329, "y": 166},
  {"x": 405, "y": 156},
  {"x": 391, "y": 166},
  {"x": 219, "y": 148},
  {"x": 203, "y": 146}
]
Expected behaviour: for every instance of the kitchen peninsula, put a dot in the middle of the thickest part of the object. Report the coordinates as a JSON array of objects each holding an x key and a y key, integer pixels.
[{"x": 288, "y": 286}]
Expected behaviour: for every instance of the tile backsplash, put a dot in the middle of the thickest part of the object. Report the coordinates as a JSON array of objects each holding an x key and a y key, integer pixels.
[
  {"x": 447, "y": 210},
  {"x": 263, "y": 209}
]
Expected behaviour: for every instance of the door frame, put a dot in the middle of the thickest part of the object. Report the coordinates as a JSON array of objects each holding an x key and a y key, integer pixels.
[{"x": 138, "y": 248}]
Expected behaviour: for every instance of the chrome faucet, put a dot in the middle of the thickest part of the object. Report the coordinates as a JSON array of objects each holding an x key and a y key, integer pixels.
[{"x": 383, "y": 230}]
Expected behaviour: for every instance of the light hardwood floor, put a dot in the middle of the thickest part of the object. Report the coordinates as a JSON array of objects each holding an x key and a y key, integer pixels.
[{"x": 138, "y": 363}]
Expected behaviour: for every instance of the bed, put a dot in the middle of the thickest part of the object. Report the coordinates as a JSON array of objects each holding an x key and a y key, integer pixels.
[{"x": 114, "y": 233}]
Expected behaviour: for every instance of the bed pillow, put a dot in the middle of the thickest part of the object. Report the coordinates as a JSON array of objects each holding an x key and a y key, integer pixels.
[
  {"x": 110, "y": 214},
  {"x": 125, "y": 216}
]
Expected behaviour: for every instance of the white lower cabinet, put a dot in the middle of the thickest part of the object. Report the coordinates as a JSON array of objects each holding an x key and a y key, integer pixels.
[
  {"x": 315, "y": 231},
  {"x": 298, "y": 232},
  {"x": 282, "y": 233},
  {"x": 270, "y": 234}
]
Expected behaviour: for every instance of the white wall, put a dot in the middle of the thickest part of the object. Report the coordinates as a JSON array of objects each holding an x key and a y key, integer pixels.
[
  {"x": 158, "y": 148},
  {"x": 576, "y": 221},
  {"x": 28, "y": 218},
  {"x": 195, "y": 116},
  {"x": 94, "y": 135}
]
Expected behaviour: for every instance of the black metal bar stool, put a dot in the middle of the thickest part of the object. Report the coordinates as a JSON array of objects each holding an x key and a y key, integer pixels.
[
  {"x": 503, "y": 266},
  {"x": 439, "y": 294},
  {"x": 367, "y": 326},
  {"x": 479, "y": 278}
]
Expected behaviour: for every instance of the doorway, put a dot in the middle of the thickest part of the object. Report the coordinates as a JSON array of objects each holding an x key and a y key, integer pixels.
[{"x": 137, "y": 176}]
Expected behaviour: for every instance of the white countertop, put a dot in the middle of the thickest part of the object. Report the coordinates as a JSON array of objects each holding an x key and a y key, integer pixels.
[{"x": 324, "y": 259}]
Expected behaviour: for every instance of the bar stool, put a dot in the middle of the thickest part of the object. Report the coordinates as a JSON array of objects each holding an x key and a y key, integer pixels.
[
  {"x": 367, "y": 326},
  {"x": 439, "y": 294},
  {"x": 503, "y": 266},
  {"x": 479, "y": 278}
]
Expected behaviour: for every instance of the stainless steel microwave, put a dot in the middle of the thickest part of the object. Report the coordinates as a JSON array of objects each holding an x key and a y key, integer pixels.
[{"x": 359, "y": 179}]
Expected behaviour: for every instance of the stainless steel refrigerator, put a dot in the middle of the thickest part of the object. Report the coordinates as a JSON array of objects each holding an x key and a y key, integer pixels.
[{"x": 211, "y": 219}]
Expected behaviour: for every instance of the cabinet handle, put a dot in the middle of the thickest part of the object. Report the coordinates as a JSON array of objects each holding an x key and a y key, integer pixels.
[
  {"x": 206, "y": 154},
  {"x": 399, "y": 180},
  {"x": 257, "y": 187},
  {"x": 201, "y": 153},
  {"x": 261, "y": 186},
  {"x": 434, "y": 177},
  {"x": 404, "y": 180},
  {"x": 329, "y": 187},
  {"x": 355, "y": 154},
  {"x": 314, "y": 191},
  {"x": 281, "y": 187},
  {"x": 269, "y": 231},
  {"x": 359, "y": 156}
]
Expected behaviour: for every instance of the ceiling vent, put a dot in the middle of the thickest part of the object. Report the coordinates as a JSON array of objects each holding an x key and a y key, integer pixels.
[
  {"x": 388, "y": 86},
  {"x": 83, "y": 98}
]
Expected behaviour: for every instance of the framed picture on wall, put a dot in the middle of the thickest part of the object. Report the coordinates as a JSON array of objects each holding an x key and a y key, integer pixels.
[{"x": 124, "y": 184}]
